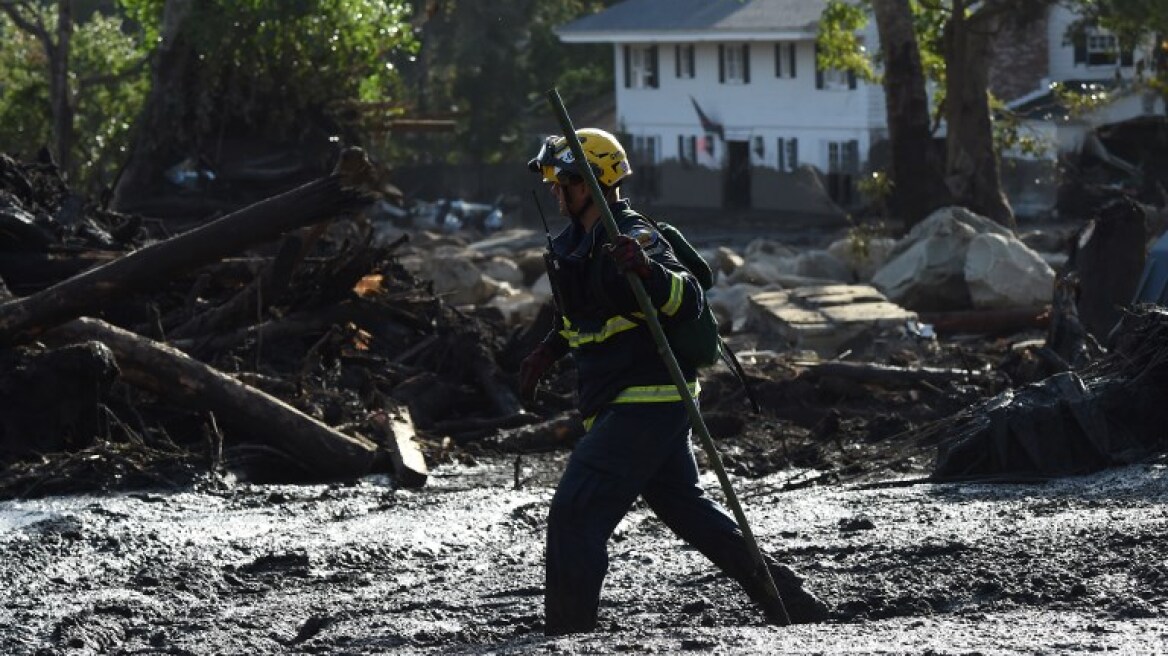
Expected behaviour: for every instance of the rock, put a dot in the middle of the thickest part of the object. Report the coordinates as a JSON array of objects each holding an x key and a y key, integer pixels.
[
  {"x": 926, "y": 270},
  {"x": 726, "y": 261},
  {"x": 863, "y": 257},
  {"x": 503, "y": 269},
  {"x": 1003, "y": 272},
  {"x": 823, "y": 265}
]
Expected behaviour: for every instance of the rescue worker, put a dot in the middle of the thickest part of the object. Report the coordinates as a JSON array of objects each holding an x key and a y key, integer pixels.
[{"x": 638, "y": 430}]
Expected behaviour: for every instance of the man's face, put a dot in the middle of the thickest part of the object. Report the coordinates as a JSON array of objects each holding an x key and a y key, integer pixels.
[{"x": 570, "y": 196}]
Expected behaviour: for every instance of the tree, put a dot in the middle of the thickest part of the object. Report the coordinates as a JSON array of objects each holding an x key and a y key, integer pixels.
[
  {"x": 257, "y": 69},
  {"x": 962, "y": 33},
  {"x": 84, "y": 75},
  {"x": 916, "y": 172},
  {"x": 488, "y": 64},
  {"x": 972, "y": 167}
]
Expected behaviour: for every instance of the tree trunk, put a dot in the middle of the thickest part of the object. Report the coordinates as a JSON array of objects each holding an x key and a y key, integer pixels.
[
  {"x": 154, "y": 145},
  {"x": 60, "y": 92},
  {"x": 916, "y": 169},
  {"x": 971, "y": 169}
]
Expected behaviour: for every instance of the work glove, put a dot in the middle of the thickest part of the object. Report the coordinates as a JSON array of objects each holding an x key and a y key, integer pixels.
[
  {"x": 532, "y": 368},
  {"x": 627, "y": 255}
]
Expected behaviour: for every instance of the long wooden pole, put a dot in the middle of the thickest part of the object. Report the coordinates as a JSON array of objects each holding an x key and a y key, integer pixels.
[{"x": 695, "y": 415}]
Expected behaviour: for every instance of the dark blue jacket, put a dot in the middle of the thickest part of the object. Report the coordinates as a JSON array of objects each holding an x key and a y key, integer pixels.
[{"x": 600, "y": 320}]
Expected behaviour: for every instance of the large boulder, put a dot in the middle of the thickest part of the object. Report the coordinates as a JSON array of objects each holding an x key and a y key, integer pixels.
[
  {"x": 926, "y": 271},
  {"x": 1003, "y": 272}
]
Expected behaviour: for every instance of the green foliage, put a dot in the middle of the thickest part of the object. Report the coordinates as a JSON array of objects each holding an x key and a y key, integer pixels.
[
  {"x": 24, "y": 91},
  {"x": 1135, "y": 23},
  {"x": 108, "y": 86},
  {"x": 861, "y": 235},
  {"x": 487, "y": 65},
  {"x": 839, "y": 44},
  {"x": 876, "y": 187},
  {"x": 268, "y": 65}
]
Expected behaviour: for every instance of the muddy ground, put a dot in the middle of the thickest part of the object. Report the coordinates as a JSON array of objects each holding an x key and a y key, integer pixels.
[
  {"x": 1065, "y": 566},
  {"x": 830, "y": 475}
]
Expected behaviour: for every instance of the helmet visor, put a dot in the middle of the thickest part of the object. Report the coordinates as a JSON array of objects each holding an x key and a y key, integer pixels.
[{"x": 555, "y": 161}]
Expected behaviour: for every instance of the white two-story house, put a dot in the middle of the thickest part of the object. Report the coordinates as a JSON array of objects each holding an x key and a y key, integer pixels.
[{"x": 722, "y": 105}]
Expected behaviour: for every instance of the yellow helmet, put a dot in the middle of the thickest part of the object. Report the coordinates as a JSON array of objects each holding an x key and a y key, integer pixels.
[{"x": 603, "y": 152}]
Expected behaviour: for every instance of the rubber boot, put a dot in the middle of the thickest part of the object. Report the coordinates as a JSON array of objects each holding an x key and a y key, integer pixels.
[{"x": 802, "y": 607}]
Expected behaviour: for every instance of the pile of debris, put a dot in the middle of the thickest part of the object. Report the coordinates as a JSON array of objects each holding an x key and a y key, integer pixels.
[
  {"x": 299, "y": 339},
  {"x": 280, "y": 342}
]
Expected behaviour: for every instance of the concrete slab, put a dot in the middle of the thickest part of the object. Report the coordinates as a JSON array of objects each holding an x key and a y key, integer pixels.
[{"x": 823, "y": 318}]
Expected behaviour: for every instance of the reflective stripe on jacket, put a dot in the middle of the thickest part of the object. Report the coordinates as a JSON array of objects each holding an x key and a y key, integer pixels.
[{"x": 605, "y": 330}]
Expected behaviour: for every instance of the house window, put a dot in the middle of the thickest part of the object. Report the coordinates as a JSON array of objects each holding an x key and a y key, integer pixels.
[
  {"x": 785, "y": 59},
  {"x": 788, "y": 151},
  {"x": 1099, "y": 48},
  {"x": 843, "y": 163},
  {"x": 645, "y": 150},
  {"x": 734, "y": 63},
  {"x": 687, "y": 149},
  {"x": 832, "y": 78},
  {"x": 683, "y": 56},
  {"x": 641, "y": 67},
  {"x": 758, "y": 148},
  {"x": 843, "y": 156}
]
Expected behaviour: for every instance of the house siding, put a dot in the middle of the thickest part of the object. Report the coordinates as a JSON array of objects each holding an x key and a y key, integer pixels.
[{"x": 759, "y": 112}]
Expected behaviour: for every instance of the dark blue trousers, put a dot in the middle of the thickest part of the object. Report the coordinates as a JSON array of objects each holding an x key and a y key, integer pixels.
[{"x": 632, "y": 450}]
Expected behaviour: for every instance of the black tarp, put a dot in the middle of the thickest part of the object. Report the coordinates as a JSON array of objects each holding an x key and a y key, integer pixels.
[{"x": 1112, "y": 413}]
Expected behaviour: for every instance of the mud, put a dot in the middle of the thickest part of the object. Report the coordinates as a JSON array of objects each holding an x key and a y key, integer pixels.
[{"x": 1063, "y": 566}]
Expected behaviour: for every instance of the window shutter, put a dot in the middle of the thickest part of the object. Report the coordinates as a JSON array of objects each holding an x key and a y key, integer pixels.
[
  {"x": 791, "y": 58},
  {"x": 653, "y": 79},
  {"x": 794, "y": 163},
  {"x": 746, "y": 63},
  {"x": 781, "y": 151},
  {"x": 778, "y": 60},
  {"x": 677, "y": 60},
  {"x": 689, "y": 53},
  {"x": 851, "y": 80},
  {"x": 1080, "y": 49},
  {"x": 628, "y": 54},
  {"x": 1125, "y": 56},
  {"x": 721, "y": 63},
  {"x": 818, "y": 71}
]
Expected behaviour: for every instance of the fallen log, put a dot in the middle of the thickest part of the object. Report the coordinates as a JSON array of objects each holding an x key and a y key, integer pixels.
[
  {"x": 348, "y": 188},
  {"x": 27, "y": 273},
  {"x": 253, "y": 299},
  {"x": 871, "y": 372},
  {"x": 170, "y": 373},
  {"x": 988, "y": 322}
]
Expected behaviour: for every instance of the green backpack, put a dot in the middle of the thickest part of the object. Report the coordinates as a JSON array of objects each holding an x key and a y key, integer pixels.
[{"x": 695, "y": 343}]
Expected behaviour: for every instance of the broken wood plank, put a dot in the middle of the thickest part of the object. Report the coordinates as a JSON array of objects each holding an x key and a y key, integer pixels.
[
  {"x": 170, "y": 373},
  {"x": 871, "y": 372},
  {"x": 409, "y": 466},
  {"x": 348, "y": 188}
]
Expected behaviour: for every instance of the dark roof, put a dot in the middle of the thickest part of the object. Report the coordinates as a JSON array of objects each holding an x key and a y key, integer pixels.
[
  {"x": 699, "y": 15},
  {"x": 1049, "y": 106}
]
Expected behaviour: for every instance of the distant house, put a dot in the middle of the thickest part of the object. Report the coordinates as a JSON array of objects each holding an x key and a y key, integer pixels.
[
  {"x": 1031, "y": 65},
  {"x": 722, "y": 106}
]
